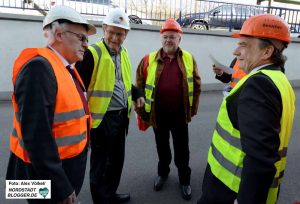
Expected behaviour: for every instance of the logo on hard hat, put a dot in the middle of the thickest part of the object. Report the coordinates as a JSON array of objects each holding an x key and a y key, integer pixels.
[
  {"x": 119, "y": 20},
  {"x": 272, "y": 26}
]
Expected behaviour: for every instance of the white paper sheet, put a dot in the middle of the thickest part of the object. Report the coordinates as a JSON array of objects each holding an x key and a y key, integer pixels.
[{"x": 226, "y": 69}]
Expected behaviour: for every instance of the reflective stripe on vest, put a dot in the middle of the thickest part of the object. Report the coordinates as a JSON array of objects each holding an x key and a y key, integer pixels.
[
  {"x": 102, "y": 82},
  {"x": 225, "y": 155},
  {"x": 237, "y": 75},
  {"x": 150, "y": 82},
  {"x": 70, "y": 122}
]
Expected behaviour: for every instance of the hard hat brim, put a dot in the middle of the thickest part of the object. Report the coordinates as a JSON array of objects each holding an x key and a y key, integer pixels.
[
  {"x": 116, "y": 25},
  {"x": 164, "y": 30},
  {"x": 91, "y": 29},
  {"x": 236, "y": 35}
]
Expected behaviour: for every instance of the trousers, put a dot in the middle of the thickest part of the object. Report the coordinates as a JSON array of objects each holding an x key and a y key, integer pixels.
[
  {"x": 174, "y": 123},
  {"x": 107, "y": 155}
]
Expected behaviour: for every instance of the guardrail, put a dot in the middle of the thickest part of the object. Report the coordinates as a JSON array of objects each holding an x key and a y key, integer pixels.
[{"x": 196, "y": 14}]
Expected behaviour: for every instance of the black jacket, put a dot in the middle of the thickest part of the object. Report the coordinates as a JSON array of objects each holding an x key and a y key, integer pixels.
[
  {"x": 255, "y": 110},
  {"x": 35, "y": 92}
]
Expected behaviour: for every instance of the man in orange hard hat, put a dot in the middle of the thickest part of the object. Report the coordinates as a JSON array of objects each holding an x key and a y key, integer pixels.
[
  {"x": 171, "y": 83},
  {"x": 247, "y": 157}
]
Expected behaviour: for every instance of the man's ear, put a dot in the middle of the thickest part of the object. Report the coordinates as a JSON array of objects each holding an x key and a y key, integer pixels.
[
  {"x": 58, "y": 36},
  {"x": 269, "y": 50}
]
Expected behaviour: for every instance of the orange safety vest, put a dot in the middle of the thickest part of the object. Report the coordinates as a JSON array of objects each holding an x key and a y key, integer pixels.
[
  {"x": 70, "y": 121},
  {"x": 237, "y": 75}
]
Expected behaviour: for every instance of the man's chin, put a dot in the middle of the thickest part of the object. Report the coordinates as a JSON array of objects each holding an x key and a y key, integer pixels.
[
  {"x": 114, "y": 47},
  {"x": 245, "y": 69},
  {"x": 169, "y": 51},
  {"x": 79, "y": 58}
]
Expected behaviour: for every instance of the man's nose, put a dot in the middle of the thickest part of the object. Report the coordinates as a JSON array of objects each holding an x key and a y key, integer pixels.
[
  {"x": 85, "y": 44},
  {"x": 236, "y": 51}
]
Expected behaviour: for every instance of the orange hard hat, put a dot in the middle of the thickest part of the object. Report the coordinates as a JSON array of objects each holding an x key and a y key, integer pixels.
[
  {"x": 265, "y": 26},
  {"x": 171, "y": 25}
]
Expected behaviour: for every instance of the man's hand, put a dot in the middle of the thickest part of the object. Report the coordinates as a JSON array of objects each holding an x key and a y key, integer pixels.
[
  {"x": 235, "y": 201},
  {"x": 217, "y": 70},
  {"x": 140, "y": 102},
  {"x": 70, "y": 199}
]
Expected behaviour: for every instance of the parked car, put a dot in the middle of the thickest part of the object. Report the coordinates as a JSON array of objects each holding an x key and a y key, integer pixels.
[
  {"x": 226, "y": 15},
  {"x": 135, "y": 19}
]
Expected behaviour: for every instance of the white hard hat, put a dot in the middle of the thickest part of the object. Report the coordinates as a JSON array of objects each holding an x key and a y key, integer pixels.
[
  {"x": 67, "y": 13},
  {"x": 117, "y": 17}
]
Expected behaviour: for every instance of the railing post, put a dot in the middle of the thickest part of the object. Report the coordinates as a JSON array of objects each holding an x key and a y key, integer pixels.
[
  {"x": 180, "y": 10},
  {"x": 231, "y": 16},
  {"x": 126, "y": 6}
]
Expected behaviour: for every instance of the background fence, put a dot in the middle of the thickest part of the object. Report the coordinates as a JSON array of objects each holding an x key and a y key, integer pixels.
[{"x": 196, "y": 14}]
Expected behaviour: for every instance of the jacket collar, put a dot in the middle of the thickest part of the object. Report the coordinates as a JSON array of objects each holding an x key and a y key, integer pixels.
[
  {"x": 161, "y": 54},
  {"x": 271, "y": 67}
]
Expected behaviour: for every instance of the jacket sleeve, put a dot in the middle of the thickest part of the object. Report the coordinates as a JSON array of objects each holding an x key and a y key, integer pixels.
[
  {"x": 197, "y": 89},
  {"x": 140, "y": 80},
  {"x": 259, "y": 113},
  {"x": 136, "y": 93},
  {"x": 226, "y": 78},
  {"x": 35, "y": 91},
  {"x": 140, "y": 83}
]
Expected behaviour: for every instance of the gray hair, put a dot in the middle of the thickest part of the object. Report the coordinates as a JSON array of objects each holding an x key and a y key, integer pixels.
[
  {"x": 277, "y": 57},
  {"x": 50, "y": 30}
]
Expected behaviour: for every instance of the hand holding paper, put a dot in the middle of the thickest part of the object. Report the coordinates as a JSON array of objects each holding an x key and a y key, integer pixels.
[{"x": 226, "y": 69}]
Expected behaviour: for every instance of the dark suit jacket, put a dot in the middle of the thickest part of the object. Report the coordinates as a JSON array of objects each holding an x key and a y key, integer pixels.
[
  {"x": 255, "y": 110},
  {"x": 35, "y": 91}
]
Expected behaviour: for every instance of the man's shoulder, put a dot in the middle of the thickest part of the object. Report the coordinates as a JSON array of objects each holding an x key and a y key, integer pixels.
[
  {"x": 38, "y": 61},
  {"x": 261, "y": 83},
  {"x": 37, "y": 65}
]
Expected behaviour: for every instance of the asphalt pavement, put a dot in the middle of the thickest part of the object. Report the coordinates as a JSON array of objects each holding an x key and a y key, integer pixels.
[{"x": 141, "y": 159}]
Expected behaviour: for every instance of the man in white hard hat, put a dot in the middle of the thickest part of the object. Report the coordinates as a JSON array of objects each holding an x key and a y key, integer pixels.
[
  {"x": 51, "y": 116},
  {"x": 106, "y": 71}
]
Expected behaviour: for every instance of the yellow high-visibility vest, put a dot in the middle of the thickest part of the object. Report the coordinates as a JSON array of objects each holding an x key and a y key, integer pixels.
[
  {"x": 226, "y": 156},
  {"x": 150, "y": 82},
  {"x": 102, "y": 83}
]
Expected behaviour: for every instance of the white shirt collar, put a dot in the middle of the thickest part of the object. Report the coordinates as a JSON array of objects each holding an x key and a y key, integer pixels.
[
  {"x": 260, "y": 67},
  {"x": 65, "y": 62}
]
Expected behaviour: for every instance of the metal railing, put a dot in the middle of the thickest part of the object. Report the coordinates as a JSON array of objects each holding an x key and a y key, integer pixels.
[
  {"x": 197, "y": 14},
  {"x": 210, "y": 14}
]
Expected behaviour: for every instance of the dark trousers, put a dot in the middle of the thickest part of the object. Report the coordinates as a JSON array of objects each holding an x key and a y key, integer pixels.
[
  {"x": 107, "y": 156},
  {"x": 214, "y": 191},
  {"x": 75, "y": 171},
  {"x": 175, "y": 124}
]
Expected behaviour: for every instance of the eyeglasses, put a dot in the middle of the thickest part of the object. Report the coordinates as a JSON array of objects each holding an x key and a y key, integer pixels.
[
  {"x": 171, "y": 37},
  {"x": 81, "y": 37},
  {"x": 118, "y": 35}
]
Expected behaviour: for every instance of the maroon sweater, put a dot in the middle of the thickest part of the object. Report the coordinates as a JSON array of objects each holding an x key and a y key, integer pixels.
[{"x": 169, "y": 93}]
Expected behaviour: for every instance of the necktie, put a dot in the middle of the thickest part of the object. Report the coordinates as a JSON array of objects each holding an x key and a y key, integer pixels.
[{"x": 80, "y": 90}]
